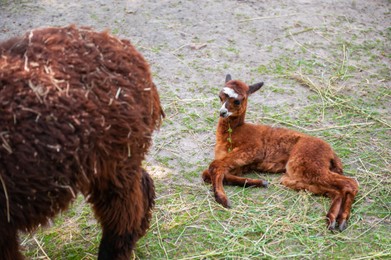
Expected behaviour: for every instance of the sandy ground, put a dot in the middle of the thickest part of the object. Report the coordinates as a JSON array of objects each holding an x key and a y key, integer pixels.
[{"x": 238, "y": 35}]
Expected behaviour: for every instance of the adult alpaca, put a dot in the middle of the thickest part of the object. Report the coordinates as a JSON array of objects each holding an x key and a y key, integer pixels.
[
  {"x": 308, "y": 163},
  {"x": 77, "y": 111}
]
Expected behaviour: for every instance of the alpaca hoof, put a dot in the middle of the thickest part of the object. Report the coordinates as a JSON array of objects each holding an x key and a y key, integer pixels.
[
  {"x": 223, "y": 201},
  {"x": 265, "y": 184},
  {"x": 343, "y": 225},
  {"x": 206, "y": 177},
  {"x": 331, "y": 226},
  {"x": 226, "y": 204},
  {"x": 207, "y": 180}
]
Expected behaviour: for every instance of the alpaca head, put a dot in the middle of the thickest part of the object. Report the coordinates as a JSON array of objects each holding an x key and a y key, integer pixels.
[{"x": 234, "y": 97}]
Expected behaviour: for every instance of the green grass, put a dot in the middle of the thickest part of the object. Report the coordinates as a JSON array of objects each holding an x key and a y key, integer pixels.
[
  {"x": 338, "y": 90},
  {"x": 263, "y": 223}
]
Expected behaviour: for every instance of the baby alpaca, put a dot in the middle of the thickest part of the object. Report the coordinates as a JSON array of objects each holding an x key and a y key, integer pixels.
[{"x": 308, "y": 163}]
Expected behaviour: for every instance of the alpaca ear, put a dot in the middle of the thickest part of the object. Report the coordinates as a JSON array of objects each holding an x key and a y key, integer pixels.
[
  {"x": 254, "y": 87},
  {"x": 228, "y": 78}
]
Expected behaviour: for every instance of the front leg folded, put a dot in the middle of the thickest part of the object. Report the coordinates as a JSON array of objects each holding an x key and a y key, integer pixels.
[
  {"x": 216, "y": 173},
  {"x": 220, "y": 172}
]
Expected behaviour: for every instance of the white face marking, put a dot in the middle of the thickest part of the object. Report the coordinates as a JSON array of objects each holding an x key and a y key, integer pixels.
[
  {"x": 224, "y": 111},
  {"x": 230, "y": 92}
]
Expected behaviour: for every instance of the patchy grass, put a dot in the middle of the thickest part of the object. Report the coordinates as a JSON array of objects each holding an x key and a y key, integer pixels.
[
  {"x": 336, "y": 88},
  {"x": 264, "y": 223}
]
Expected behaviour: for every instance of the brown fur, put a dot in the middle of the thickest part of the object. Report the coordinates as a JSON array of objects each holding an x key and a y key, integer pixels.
[
  {"x": 308, "y": 163},
  {"x": 77, "y": 111}
]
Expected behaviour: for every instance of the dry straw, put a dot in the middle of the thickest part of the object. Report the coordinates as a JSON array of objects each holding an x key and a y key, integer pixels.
[{"x": 328, "y": 95}]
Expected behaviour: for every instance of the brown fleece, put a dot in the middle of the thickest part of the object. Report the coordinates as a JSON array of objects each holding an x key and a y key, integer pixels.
[
  {"x": 77, "y": 111},
  {"x": 308, "y": 163}
]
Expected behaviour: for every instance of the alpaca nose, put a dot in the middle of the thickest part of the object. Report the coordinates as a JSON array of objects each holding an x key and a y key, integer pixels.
[{"x": 224, "y": 113}]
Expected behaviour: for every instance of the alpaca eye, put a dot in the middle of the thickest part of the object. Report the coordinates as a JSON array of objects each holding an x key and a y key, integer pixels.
[{"x": 237, "y": 102}]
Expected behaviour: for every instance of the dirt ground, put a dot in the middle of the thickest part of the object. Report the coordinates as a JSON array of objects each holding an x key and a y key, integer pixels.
[
  {"x": 190, "y": 42},
  {"x": 191, "y": 46}
]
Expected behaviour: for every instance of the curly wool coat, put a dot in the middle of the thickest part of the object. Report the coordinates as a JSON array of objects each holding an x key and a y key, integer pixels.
[{"x": 77, "y": 111}]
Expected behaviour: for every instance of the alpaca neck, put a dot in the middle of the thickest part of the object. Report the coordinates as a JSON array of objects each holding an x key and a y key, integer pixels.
[{"x": 230, "y": 123}]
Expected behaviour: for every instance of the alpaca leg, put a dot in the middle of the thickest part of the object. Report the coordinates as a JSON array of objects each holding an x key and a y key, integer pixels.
[
  {"x": 231, "y": 179},
  {"x": 115, "y": 247},
  {"x": 124, "y": 213},
  {"x": 219, "y": 170},
  {"x": 318, "y": 188},
  {"x": 234, "y": 178},
  {"x": 347, "y": 188},
  {"x": 333, "y": 212},
  {"x": 344, "y": 213},
  {"x": 9, "y": 246},
  {"x": 218, "y": 190}
]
